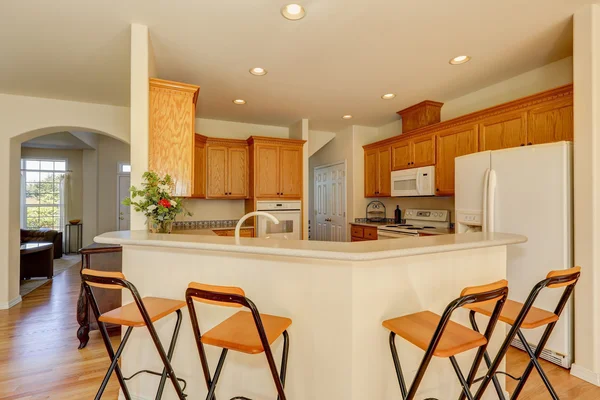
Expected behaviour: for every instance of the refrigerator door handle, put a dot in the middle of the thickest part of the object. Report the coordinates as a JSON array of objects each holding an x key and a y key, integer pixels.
[
  {"x": 484, "y": 221},
  {"x": 491, "y": 200}
]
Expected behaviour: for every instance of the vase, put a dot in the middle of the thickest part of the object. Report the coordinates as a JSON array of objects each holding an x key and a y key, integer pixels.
[{"x": 155, "y": 226}]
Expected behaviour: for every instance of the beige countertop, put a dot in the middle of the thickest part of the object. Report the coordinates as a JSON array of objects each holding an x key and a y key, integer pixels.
[{"x": 343, "y": 251}]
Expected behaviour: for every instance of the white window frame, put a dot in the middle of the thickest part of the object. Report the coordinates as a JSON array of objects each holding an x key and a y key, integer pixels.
[{"x": 23, "y": 205}]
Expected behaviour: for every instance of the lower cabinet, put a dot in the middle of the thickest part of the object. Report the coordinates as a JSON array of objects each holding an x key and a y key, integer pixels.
[
  {"x": 361, "y": 233},
  {"x": 244, "y": 232}
]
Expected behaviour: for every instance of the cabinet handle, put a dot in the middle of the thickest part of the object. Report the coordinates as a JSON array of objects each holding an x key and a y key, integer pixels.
[
  {"x": 408, "y": 164},
  {"x": 529, "y": 144},
  {"x": 522, "y": 144},
  {"x": 437, "y": 189}
]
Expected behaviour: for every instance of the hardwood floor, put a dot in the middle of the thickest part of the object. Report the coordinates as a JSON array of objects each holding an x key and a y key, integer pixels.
[{"x": 39, "y": 357}]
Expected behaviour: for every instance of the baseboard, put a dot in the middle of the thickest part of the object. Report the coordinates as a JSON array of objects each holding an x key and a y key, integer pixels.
[
  {"x": 12, "y": 303},
  {"x": 583, "y": 373}
]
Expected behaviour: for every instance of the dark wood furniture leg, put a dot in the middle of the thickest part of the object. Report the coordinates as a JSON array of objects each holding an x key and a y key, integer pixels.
[{"x": 83, "y": 315}]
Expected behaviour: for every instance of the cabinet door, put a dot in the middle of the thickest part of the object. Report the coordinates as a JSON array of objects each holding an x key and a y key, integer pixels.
[
  {"x": 216, "y": 171},
  {"x": 237, "y": 171},
  {"x": 290, "y": 160},
  {"x": 199, "y": 170},
  {"x": 171, "y": 137},
  {"x": 384, "y": 172},
  {"x": 452, "y": 143},
  {"x": 371, "y": 172},
  {"x": 503, "y": 131},
  {"x": 267, "y": 171},
  {"x": 401, "y": 155},
  {"x": 551, "y": 122},
  {"x": 423, "y": 150}
]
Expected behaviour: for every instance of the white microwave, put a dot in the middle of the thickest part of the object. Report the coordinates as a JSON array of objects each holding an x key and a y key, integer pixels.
[{"x": 413, "y": 182}]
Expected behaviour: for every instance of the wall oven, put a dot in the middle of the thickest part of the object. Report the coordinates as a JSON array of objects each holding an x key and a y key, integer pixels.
[
  {"x": 413, "y": 182},
  {"x": 289, "y": 215}
]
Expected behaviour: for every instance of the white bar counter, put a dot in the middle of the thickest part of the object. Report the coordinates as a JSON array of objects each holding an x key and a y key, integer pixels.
[{"x": 337, "y": 295}]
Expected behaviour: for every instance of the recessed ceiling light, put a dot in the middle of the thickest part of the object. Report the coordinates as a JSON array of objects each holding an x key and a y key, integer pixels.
[
  {"x": 293, "y": 12},
  {"x": 258, "y": 71},
  {"x": 239, "y": 101},
  {"x": 460, "y": 60},
  {"x": 388, "y": 96},
  {"x": 347, "y": 116}
]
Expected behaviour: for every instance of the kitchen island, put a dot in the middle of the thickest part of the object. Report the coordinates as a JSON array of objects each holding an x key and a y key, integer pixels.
[{"x": 337, "y": 295}]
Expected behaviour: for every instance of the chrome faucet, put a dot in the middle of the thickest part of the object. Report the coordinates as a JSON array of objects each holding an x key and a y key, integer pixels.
[{"x": 252, "y": 214}]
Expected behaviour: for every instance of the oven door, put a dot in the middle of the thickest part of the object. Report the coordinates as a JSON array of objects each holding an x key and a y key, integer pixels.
[
  {"x": 413, "y": 182},
  {"x": 288, "y": 227},
  {"x": 384, "y": 235}
]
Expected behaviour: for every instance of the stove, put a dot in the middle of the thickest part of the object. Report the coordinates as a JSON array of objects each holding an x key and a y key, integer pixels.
[{"x": 417, "y": 220}]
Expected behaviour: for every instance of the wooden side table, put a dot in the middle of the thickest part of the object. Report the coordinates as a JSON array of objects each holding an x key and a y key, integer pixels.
[{"x": 103, "y": 257}]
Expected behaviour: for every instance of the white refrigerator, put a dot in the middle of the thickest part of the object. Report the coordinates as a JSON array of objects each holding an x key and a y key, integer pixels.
[{"x": 525, "y": 190}]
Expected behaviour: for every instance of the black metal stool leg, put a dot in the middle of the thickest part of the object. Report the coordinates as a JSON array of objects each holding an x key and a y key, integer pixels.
[
  {"x": 461, "y": 378},
  {"x": 535, "y": 363},
  {"x": 488, "y": 362},
  {"x": 215, "y": 379},
  {"x": 399, "y": 374},
  {"x": 114, "y": 366},
  {"x": 163, "y": 378},
  {"x": 284, "y": 359}
]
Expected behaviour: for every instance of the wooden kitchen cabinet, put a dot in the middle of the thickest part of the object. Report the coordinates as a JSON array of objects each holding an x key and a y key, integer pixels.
[
  {"x": 503, "y": 131},
  {"x": 452, "y": 143},
  {"x": 227, "y": 169},
  {"x": 361, "y": 233},
  {"x": 199, "y": 186},
  {"x": 171, "y": 136},
  {"x": 276, "y": 168},
  {"x": 244, "y": 232},
  {"x": 377, "y": 172},
  {"x": 413, "y": 153},
  {"x": 551, "y": 122}
]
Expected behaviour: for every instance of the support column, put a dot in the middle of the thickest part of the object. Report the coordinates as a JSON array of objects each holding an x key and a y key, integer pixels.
[
  {"x": 142, "y": 68},
  {"x": 586, "y": 64}
]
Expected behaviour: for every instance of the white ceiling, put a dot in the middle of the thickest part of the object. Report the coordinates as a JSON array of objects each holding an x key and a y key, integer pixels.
[
  {"x": 58, "y": 140},
  {"x": 338, "y": 60}
]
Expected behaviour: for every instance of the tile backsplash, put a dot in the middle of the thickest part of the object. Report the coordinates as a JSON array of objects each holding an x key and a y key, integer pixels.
[{"x": 221, "y": 223}]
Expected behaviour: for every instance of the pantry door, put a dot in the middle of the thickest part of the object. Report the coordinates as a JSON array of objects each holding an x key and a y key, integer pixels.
[{"x": 330, "y": 202}]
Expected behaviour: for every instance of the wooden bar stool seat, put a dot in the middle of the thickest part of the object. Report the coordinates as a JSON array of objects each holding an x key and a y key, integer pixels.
[
  {"x": 239, "y": 333},
  {"x": 535, "y": 318},
  {"x": 129, "y": 315},
  {"x": 525, "y": 316},
  {"x": 142, "y": 312},
  {"x": 440, "y": 337},
  {"x": 419, "y": 328},
  {"x": 246, "y": 332}
]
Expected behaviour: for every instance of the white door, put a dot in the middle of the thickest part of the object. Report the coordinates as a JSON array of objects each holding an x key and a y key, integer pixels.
[
  {"x": 330, "y": 203},
  {"x": 123, "y": 217}
]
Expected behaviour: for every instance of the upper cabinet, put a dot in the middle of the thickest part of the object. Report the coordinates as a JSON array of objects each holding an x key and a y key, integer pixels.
[
  {"x": 541, "y": 118},
  {"x": 377, "y": 170},
  {"x": 412, "y": 153},
  {"x": 171, "y": 140},
  {"x": 551, "y": 122},
  {"x": 227, "y": 169},
  {"x": 276, "y": 168},
  {"x": 452, "y": 143},
  {"x": 199, "y": 186}
]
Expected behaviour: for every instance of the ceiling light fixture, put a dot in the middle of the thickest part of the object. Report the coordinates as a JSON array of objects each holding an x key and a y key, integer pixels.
[
  {"x": 293, "y": 12},
  {"x": 347, "y": 116},
  {"x": 460, "y": 60},
  {"x": 239, "y": 102},
  {"x": 258, "y": 71},
  {"x": 388, "y": 96}
]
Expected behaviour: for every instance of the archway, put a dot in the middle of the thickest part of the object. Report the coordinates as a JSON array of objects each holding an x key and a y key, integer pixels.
[{"x": 10, "y": 225}]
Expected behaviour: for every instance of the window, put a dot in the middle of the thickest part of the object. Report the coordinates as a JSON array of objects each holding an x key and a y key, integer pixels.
[
  {"x": 41, "y": 193},
  {"x": 124, "y": 168}
]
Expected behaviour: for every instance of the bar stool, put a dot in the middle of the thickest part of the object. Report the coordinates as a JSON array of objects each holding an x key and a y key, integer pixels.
[
  {"x": 525, "y": 316},
  {"x": 142, "y": 312},
  {"x": 439, "y": 336},
  {"x": 246, "y": 332}
]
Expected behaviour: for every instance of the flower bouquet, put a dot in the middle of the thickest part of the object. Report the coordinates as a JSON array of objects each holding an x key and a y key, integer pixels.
[{"x": 156, "y": 202}]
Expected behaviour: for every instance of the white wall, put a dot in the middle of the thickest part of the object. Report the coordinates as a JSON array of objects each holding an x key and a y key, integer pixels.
[
  {"x": 538, "y": 80},
  {"x": 587, "y": 192},
  {"x": 318, "y": 139},
  {"x": 110, "y": 153},
  {"x": 300, "y": 131}
]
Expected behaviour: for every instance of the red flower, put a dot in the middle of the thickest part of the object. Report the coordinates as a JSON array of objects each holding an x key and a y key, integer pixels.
[{"x": 165, "y": 203}]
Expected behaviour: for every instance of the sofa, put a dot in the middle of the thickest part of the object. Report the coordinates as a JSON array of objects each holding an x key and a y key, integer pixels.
[{"x": 44, "y": 235}]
